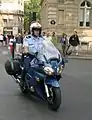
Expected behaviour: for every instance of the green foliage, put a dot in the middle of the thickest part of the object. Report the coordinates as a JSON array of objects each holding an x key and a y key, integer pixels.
[{"x": 30, "y": 7}]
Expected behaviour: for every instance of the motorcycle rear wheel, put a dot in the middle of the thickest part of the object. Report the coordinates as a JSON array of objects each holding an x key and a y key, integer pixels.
[{"x": 55, "y": 100}]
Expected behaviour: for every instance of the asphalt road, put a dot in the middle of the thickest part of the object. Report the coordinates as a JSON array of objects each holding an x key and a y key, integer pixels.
[{"x": 76, "y": 91}]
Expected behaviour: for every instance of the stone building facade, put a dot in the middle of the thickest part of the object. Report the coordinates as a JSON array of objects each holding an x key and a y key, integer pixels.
[
  {"x": 11, "y": 16},
  {"x": 67, "y": 15}
]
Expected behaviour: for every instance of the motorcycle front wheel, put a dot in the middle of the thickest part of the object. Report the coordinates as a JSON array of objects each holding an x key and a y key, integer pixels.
[{"x": 54, "y": 101}]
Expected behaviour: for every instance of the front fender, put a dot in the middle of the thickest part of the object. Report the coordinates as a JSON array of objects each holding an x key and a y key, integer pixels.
[{"x": 53, "y": 82}]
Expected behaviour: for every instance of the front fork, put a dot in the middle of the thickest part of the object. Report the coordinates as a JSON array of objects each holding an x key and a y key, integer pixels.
[
  {"x": 47, "y": 90},
  {"x": 50, "y": 82}
]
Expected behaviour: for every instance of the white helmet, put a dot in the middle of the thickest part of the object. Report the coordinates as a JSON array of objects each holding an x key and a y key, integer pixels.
[{"x": 35, "y": 25}]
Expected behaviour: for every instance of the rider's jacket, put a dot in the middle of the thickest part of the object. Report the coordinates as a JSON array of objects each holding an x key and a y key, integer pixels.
[{"x": 34, "y": 44}]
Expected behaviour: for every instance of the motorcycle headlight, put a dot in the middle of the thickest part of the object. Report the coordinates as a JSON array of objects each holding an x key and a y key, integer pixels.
[{"x": 48, "y": 70}]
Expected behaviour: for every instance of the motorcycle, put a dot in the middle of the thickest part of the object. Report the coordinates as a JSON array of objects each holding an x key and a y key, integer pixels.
[{"x": 42, "y": 78}]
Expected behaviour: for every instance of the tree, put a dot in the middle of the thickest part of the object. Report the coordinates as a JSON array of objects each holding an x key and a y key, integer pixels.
[{"x": 30, "y": 7}]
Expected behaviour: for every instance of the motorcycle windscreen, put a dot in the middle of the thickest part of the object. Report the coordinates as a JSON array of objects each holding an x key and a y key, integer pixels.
[{"x": 48, "y": 50}]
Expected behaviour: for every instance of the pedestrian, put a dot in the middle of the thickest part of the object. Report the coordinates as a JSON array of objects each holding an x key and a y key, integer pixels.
[
  {"x": 5, "y": 39},
  {"x": 74, "y": 42},
  {"x": 9, "y": 36},
  {"x": 64, "y": 43},
  {"x": 1, "y": 39},
  {"x": 44, "y": 35},
  {"x": 48, "y": 36},
  {"x": 12, "y": 40},
  {"x": 54, "y": 39},
  {"x": 19, "y": 42}
]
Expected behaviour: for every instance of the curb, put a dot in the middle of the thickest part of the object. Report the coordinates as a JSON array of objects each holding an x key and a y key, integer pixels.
[{"x": 80, "y": 57}]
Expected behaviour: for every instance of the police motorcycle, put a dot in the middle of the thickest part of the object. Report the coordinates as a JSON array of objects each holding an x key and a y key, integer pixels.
[{"x": 42, "y": 78}]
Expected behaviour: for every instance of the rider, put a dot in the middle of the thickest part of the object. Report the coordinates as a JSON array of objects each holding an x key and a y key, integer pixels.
[{"x": 32, "y": 44}]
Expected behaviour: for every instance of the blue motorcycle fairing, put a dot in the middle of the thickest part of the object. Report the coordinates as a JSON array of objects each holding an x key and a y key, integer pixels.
[
  {"x": 31, "y": 81},
  {"x": 53, "y": 82},
  {"x": 31, "y": 76},
  {"x": 40, "y": 90}
]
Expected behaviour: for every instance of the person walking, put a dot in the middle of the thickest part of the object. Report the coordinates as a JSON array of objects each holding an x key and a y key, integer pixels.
[
  {"x": 5, "y": 39},
  {"x": 54, "y": 38},
  {"x": 74, "y": 42},
  {"x": 44, "y": 35},
  {"x": 19, "y": 42},
  {"x": 1, "y": 39},
  {"x": 48, "y": 36},
  {"x": 12, "y": 42},
  {"x": 64, "y": 43}
]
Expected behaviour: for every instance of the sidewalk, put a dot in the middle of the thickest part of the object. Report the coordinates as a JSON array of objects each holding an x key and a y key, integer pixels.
[
  {"x": 86, "y": 57},
  {"x": 82, "y": 55}
]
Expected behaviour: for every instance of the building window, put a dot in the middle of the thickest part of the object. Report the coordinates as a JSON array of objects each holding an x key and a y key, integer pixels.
[
  {"x": 61, "y": 17},
  {"x": 5, "y": 21},
  {"x": 85, "y": 13}
]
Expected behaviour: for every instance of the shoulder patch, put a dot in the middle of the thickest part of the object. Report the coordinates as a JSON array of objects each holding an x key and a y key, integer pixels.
[{"x": 28, "y": 36}]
